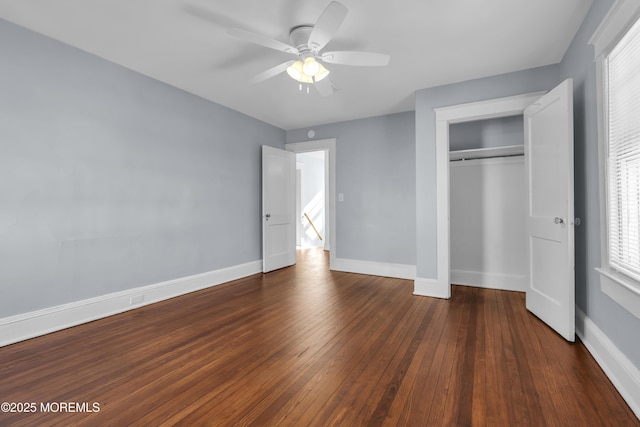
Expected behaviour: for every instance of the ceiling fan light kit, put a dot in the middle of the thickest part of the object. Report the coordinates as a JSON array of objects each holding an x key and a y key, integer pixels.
[
  {"x": 309, "y": 71},
  {"x": 306, "y": 43},
  {"x": 310, "y": 66}
]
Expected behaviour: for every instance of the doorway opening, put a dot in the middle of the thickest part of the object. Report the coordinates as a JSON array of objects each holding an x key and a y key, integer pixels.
[
  {"x": 502, "y": 107},
  {"x": 311, "y": 199},
  {"x": 318, "y": 200}
]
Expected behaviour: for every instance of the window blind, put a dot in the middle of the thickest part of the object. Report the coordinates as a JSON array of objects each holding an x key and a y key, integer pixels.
[{"x": 623, "y": 81}]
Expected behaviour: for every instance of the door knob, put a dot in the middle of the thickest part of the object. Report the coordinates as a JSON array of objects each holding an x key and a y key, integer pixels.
[{"x": 559, "y": 220}]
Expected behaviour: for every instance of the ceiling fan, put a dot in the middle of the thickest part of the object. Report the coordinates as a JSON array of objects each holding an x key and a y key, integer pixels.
[{"x": 307, "y": 42}]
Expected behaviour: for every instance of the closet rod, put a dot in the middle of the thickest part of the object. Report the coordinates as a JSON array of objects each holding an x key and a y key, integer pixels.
[
  {"x": 486, "y": 157},
  {"x": 486, "y": 153}
]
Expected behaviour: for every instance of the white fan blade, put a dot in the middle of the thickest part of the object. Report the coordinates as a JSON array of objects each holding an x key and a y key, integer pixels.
[
  {"x": 365, "y": 59},
  {"x": 324, "y": 87},
  {"x": 271, "y": 72},
  {"x": 262, "y": 41},
  {"x": 327, "y": 25}
]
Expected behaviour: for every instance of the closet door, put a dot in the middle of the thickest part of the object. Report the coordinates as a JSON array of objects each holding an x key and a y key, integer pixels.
[{"x": 549, "y": 175}]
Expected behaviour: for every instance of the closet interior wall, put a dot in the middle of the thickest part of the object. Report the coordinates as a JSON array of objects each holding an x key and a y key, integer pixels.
[{"x": 487, "y": 204}]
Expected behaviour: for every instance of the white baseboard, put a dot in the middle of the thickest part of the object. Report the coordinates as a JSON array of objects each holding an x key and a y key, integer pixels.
[
  {"x": 624, "y": 375},
  {"x": 29, "y": 325},
  {"x": 398, "y": 271},
  {"x": 431, "y": 288},
  {"x": 505, "y": 282}
]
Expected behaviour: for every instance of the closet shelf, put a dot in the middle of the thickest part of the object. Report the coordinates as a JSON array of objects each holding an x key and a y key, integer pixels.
[{"x": 483, "y": 153}]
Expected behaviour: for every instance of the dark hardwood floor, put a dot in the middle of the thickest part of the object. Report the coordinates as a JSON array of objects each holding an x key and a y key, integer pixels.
[{"x": 304, "y": 346}]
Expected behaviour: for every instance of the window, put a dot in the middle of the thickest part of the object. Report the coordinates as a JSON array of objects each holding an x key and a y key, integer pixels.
[
  {"x": 617, "y": 50},
  {"x": 623, "y": 153}
]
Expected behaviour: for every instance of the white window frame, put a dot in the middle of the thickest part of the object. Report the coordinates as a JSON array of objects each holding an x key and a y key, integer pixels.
[{"x": 623, "y": 13}]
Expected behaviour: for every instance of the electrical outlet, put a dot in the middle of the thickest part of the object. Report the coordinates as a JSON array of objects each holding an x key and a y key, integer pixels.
[{"x": 136, "y": 299}]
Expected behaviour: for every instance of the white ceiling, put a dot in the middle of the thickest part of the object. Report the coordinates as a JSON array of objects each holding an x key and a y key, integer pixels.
[{"x": 431, "y": 42}]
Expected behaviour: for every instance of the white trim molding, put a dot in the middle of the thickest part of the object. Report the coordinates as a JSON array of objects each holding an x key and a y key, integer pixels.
[
  {"x": 489, "y": 109},
  {"x": 618, "y": 20},
  {"x": 398, "y": 271},
  {"x": 620, "y": 290},
  {"x": 431, "y": 288},
  {"x": 624, "y": 375},
  {"x": 621, "y": 16},
  {"x": 483, "y": 279},
  {"x": 36, "y": 323}
]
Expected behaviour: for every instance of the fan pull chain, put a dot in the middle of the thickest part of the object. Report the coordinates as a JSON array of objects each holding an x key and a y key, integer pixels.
[{"x": 300, "y": 87}]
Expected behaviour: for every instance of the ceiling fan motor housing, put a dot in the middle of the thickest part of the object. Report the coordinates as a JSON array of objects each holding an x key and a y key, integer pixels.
[{"x": 299, "y": 37}]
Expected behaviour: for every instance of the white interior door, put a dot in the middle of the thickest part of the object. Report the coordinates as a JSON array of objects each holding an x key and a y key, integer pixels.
[
  {"x": 278, "y": 208},
  {"x": 549, "y": 174}
]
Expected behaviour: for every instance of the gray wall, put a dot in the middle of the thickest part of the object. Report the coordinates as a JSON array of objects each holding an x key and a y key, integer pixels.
[
  {"x": 532, "y": 80},
  {"x": 376, "y": 173},
  {"x": 110, "y": 180},
  {"x": 489, "y": 133},
  {"x": 619, "y": 325}
]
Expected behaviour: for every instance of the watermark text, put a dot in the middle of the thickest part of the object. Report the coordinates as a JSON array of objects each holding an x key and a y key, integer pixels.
[{"x": 49, "y": 407}]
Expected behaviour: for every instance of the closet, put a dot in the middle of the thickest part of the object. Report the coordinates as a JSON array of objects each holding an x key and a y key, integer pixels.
[{"x": 488, "y": 204}]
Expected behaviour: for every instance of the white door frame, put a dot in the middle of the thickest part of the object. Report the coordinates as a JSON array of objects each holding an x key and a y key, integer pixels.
[
  {"x": 490, "y": 109},
  {"x": 328, "y": 145}
]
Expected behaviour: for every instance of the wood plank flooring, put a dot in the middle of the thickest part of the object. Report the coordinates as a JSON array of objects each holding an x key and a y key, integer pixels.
[{"x": 304, "y": 346}]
